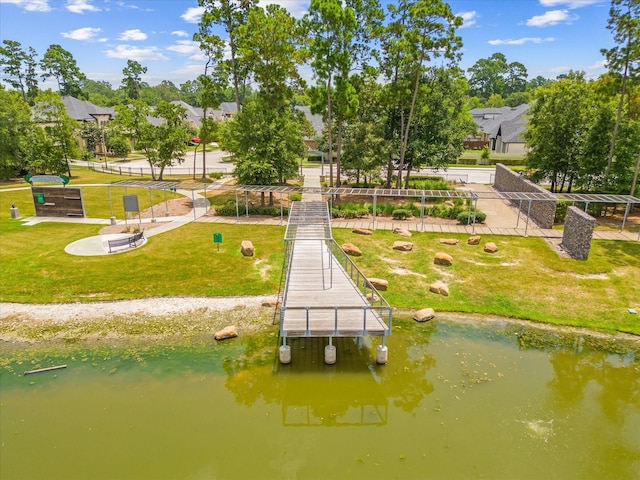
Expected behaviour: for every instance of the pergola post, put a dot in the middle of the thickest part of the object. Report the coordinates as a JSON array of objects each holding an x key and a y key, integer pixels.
[{"x": 528, "y": 213}]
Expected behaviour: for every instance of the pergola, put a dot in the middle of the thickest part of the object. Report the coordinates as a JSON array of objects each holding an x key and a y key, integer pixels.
[{"x": 523, "y": 199}]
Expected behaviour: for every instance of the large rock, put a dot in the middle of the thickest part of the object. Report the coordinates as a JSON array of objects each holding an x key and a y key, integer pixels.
[
  {"x": 449, "y": 241},
  {"x": 490, "y": 247},
  {"x": 371, "y": 298},
  {"x": 362, "y": 231},
  {"x": 351, "y": 249},
  {"x": 443, "y": 259},
  {"x": 227, "y": 332},
  {"x": 271, "y": 302},
  {"x": 403, "y": 246},
  {"x": 475, "y": 240},
  {"x": 439, "y": 288},
  {"x": 379, "y": 284},
  {"x": 424, "y": 315},
  {"x": 246, "y": 248},
  {"x": 403, "y": 232}
]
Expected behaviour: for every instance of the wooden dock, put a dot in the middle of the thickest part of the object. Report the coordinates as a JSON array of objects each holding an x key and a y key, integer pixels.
[{"x": 321, "y": 299}]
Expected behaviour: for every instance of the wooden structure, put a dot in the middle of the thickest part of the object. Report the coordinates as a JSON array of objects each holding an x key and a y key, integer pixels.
[
  {"x": 58, "y": 201},
  {"x": 325, "y": 294}
]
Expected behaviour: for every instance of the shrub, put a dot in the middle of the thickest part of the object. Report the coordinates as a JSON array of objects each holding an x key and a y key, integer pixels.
[
  {"x": 216, "y": 175},
  {"x": 295, "y": 197},
  {"x": 466, "y": 161},
  {"x": 400, "y": 214},
  {"x": 465, "y": 218},
  {"x": 229, "y": 210}
]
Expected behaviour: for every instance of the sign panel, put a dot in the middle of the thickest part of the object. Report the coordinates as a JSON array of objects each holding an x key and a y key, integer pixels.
[
  {"x": 131, "y": 203},
  {"x": 217, "y": 238}
]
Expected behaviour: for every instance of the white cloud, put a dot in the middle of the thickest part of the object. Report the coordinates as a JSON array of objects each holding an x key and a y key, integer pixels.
[
  {"x": 468, "y": 18},
  {"x": 86, "y": 33},
  {"x": 31, "y": 5},
  {"x": 598, "y": 65},
  {"x": 560, "y": 69},
  {"x": 129, "y": 52},
  {"x": 521, "y": 41},
  {"x": 552, "y": 17},
  {"x": 184, "y": 47},
  {"x": 190, "y": 70},
  {"x": 192, "y": 14},
  {"x": 132, "y": 35},
  {"x": 180, "y": 33},
  {"x": 297, "y": 8},
  {"x": 81, "y": 6},
  {"x": 569, "y": 3}
]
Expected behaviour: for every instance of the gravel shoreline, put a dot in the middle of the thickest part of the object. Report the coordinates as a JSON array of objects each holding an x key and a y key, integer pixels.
[{"x": 154, "y": 307}]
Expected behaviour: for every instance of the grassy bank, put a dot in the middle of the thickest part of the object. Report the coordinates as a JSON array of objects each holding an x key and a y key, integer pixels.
[{"x": 525, "y": 279}]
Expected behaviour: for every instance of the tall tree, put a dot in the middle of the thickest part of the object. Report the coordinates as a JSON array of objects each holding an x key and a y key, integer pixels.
[
  {"x": 209, "y": 85},
  {"x": 132, "y": 80},
  {"x": 59, "y": 143},
  {"x": 131, "y": 121},
  {"x": 60, "y": 64},
  {"x": 340, "y": 40},
  {"x": 419, "y": 32},
  {"x": 16, "y": 128},
  {"x": 171, "y": 136},
  {"x": 624, "y": 57},
  {"x": 561, "y": 118},
  {"x": 231, "y": 15},
  {"x": 19, "y": 67}
]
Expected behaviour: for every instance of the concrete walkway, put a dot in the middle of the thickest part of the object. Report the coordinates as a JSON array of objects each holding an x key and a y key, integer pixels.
[{"x": 502, "y": 219}]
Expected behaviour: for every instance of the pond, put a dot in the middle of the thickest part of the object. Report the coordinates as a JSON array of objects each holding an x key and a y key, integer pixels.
[{"x": 457, "y": 400}]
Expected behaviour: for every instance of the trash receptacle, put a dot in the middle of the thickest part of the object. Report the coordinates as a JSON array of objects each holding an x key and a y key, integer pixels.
[{"x": 15, "y": 213}]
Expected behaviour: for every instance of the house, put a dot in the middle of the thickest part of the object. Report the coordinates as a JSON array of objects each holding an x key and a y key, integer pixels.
[
  {"x": 86, "y": 112},
  {"x": 502, "y": 129}
]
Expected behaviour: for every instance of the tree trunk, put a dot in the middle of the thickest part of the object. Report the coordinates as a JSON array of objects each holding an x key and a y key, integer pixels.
[
  {"x": 634, "y": 182},
  {"x": 329, "y": 131},
  {"x": 387, "y": 184},
  {"x": 619, "y": 112}
]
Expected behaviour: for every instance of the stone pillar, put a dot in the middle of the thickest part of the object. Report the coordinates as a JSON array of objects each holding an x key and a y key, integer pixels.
[{"x": 578, "y": 232}]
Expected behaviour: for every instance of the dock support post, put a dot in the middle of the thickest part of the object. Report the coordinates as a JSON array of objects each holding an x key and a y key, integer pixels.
[
  {"x": 285, "y": 352},
  {"x": 382, "y": 353},
  {"x": 330, "y": 353}
]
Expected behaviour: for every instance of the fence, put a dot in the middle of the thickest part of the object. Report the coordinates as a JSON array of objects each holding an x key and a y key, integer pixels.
[{"x": 145, "y": 171}]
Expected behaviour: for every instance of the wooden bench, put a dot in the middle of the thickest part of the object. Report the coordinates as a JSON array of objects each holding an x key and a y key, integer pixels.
[{"x": 130, "y": 241}]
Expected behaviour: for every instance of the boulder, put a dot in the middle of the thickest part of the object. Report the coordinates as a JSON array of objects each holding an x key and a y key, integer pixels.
[
  {"x": 272, "y": 302},
  {"x": 424, "y": 315},
  {"x": 379, "y": 284},
  {"x": 490, "y": 247},
  {"x": 449, "y": 241},
  {"x": 351, "y": 249},
  {"x": 371, "y": 298},
  {"x": 443, "y": 259},
  {"x": 246, "y": 248},
  {"x": 403, "y": 246},
  {"x": 439, "y": 288},
  {"x": 362, "y": 231},
  {"x": 403, "y": 232},
  {"x": 475, "y": 240},
  {"x": 227, "y": 332}
]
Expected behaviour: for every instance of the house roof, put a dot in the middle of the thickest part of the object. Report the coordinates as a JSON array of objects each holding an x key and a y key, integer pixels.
[
  {"x": 490, "y": 119},
  {"x": 314, "y": 118},
  {"x": 84, "y": 111},
  {"x": 512, "y": 131}
]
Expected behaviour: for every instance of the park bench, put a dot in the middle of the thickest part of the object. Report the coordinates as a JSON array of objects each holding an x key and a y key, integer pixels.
[{"x": 130, "y": 241}]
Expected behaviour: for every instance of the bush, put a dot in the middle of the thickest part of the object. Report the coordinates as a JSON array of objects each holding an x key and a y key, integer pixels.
[
  {"x": 400, "y": 214},
  {"x": 466, "y": 161},
  {"x": 465, "y": 218},
  {"x": 295, "y": 197},
  {"x": 216, "y": 175},
  {"x": 229, "y": 210}
]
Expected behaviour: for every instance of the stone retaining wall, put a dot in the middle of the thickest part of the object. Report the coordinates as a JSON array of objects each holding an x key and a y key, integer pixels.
[
  {"x": 542, "y": 212},
  {"x": 578, "y": 232}
]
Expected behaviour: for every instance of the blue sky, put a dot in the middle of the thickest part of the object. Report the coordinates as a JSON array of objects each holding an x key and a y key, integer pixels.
[{"x": 549, "y": 37}]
